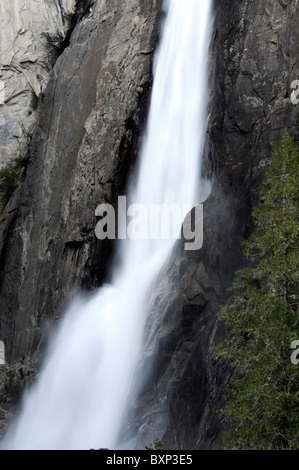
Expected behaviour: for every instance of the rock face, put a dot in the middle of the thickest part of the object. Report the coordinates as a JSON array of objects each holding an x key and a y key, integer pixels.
[
  {"x": 82, "y": 153},
  {"x": 27, "y": 28},
  {"x": 2, "y": 353},
  {"x": 253, "y": 66}
]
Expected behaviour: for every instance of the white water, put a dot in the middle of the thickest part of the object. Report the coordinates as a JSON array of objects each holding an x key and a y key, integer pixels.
[{"x": 79, "y": 398}]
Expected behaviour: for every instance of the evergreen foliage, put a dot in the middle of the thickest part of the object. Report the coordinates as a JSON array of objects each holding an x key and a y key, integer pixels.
[
  {"x": 157, "y": 444},
  {"x": 9, "y": 176},
  {"x": 12, "y": 385},
  {"x": 54, "y": 40},
  {"x": 295, "y": 117},
  {"x": 53, "y": 44},
  {"x": 262, "y": 319}
]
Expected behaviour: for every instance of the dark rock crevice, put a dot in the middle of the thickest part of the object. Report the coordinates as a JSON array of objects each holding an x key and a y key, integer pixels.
[
  {"x": 82, "y": 9},
  {"x": 251, "y": 72},
  {"x": 82, "y": 152}
]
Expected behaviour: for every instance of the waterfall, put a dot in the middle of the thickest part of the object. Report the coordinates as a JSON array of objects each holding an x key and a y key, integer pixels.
[{"x": 79, "y": 398}]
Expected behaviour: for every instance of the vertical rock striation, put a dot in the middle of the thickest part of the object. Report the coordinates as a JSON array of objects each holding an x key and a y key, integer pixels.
[
  {"x": 81, "y": 154},
  {"x": 253, "y": 65},
  {"x": 30, "y": 32}
]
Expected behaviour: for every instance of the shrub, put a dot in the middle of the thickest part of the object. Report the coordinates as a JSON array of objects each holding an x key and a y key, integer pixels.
[
  {"x": 54, "y": 40},
  {"x": 295, "y": 117},
  {"x": 36, "y": 100},
  {"x": 13, "y": 385},
  {"x": 68, "y": 15},
  {"x": 296, "y": 45},
  {"x": 261, "y": 318},
  {"x": 9, "y": 176},
  {"x": 41, "y": 97},
  {"x": 157, "y": 444}
]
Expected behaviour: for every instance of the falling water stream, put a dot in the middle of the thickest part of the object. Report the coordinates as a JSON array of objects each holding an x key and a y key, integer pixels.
[{"x": 79, "y": 398}]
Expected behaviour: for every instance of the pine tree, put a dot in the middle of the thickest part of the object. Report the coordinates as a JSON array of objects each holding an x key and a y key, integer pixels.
[{"x": 262, "y": 317}]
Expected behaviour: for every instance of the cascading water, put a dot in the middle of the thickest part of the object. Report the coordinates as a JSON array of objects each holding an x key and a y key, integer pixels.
[{"x": 79, "y": 398}]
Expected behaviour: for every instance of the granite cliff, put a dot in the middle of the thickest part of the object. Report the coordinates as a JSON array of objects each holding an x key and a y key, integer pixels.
[
  {"x": 30, "y": 35},
  {"x": 83, "y": 152},
  {"x": 253, "y": 66}
]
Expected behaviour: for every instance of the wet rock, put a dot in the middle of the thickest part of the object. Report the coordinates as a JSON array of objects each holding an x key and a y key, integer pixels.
[
  {"x": 82, "y": 154},
  {"x": 253, "y": 65}
]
